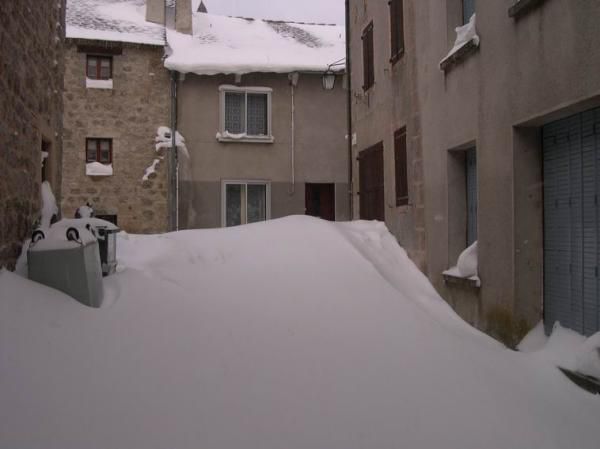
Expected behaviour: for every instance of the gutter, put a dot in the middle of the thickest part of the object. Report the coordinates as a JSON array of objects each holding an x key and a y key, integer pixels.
[{"x": 349, "y": 113}]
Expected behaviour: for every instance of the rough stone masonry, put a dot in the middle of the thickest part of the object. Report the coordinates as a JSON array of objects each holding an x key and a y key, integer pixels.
[{"x": 31, "y": 84}]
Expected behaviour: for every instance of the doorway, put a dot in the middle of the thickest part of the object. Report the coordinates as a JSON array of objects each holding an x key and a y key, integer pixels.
[{"x": 320, "y": 201}]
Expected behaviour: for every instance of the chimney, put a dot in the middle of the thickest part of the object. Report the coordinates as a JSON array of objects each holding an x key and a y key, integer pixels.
[
  {"x": 183, "y": 16},
  {"x": 155, "y": 11}
]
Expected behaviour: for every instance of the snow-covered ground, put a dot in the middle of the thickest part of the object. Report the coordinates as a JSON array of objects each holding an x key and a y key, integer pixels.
[{"x": 296, "y": 334}]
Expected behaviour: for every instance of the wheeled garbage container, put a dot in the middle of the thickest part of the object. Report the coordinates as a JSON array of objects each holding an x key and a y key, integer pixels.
[{"x": 71, "y": 265}]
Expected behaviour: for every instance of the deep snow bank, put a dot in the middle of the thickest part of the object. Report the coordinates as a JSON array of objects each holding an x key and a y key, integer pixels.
[{"x": 295, "y": 333}]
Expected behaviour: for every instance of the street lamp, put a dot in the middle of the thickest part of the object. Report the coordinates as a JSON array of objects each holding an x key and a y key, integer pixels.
[{"x": 328, "y": 80}]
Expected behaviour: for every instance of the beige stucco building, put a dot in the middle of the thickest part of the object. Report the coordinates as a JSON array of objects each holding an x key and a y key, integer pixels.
[
  {"x": 31, "y": 83},
  {"x": 507, "y": 130},
  {"x": 264, "y": 129}
]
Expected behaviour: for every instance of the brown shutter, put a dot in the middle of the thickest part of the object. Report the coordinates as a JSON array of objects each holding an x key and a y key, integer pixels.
[
  {"x": 368, "y": 57},
  {"x": 401, "y": 166},
  {"x": 396, "y": 29}
]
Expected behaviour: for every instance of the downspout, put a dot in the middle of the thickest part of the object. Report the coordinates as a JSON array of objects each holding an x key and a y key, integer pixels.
[
  {"x": 349, "y": 114},
  {"x": 174, "y": 157},
  {"x": 293, "y": 82}
]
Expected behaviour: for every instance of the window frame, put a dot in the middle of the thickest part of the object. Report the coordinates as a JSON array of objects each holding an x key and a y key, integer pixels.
[
  {"x": 368, "y": 49},
  {"x": 223, "y": 90},
  {"x": 98, "y": 58},
  {"x": 401, "y": 167},
  {"x": 245, "y": 182},
  {"x": 472, "y": 196},
  {"x": 396, "y": 30},
  {"x": 99, "y": 141},
  {"x": 466, "y": 19}
]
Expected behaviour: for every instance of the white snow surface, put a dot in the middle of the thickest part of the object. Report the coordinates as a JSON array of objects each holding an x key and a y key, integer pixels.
[
  {"x": 112, "y": 20},
  {"x": 234, "y": 45},
  {"x": 464, "y": 34},
  {"x": 49, "y": 207},
  {"x": 98, "y": 169},
  {"x": 565, "y": 348},
  {"x": 98, "y": 84},
  {"x": 164, "y": 141},
  {"x": 295, "y": 333}
]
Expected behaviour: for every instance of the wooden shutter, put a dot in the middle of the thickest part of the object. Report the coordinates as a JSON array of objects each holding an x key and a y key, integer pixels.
[
  {"x": 396, "y": 29},
  {"x": 368, "y": 58},
  {"x": 401, "y": 167},
  {"x": 371, "y": 180}
]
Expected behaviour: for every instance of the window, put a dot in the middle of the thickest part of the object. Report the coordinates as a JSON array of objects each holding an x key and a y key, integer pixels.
[
  {"x": 245, "y": 202},
  {"x": 99, "y": 67},
  {"x": 468, "y": 7},
  {"x": 245, "y": 114},
  {"x": 98, "y": 150},
  {"x": 397, "y": 29},
  {"x": 368, "y": 58},
  {"x": 471, "y": 182},
  {"x": 401, "y": 165}
]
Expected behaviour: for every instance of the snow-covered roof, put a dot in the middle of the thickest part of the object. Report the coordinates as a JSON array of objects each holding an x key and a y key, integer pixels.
[
  {"x": 237, "y": 45},
  {"x": 112, "y": 20}
]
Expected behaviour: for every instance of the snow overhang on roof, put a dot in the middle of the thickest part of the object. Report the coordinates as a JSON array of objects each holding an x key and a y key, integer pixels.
[
  {"x": 112, "y": 20},
  {"x": 236, "y": 45}
]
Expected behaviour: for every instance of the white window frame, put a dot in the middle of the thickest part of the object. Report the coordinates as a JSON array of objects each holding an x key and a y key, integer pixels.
[
  {"x": 246, "y": 90},
  {"x": 245, "y": 182}
]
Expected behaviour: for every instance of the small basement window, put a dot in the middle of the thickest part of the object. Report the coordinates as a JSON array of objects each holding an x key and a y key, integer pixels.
[{"x": 245, "y": 114}]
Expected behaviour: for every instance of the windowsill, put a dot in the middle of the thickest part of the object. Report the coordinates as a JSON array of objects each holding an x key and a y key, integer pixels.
[
  {"x": 452, "y": 278},
  {"x": 244, "y": 139},
  {"x": 461, "y": 54},
  {"x": 397, "y": 57},
  {"x": 98, "y": 84},
  {"x": 522, "y": 7},
  {"x": 98, "y": 169}
]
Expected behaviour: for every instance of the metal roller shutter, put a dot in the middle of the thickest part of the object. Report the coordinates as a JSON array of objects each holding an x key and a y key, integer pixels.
[{"x": 571, "y": 150}]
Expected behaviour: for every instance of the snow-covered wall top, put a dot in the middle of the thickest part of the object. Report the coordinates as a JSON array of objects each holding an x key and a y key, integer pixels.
[
  {"x": 235, "y": 45},
  {"x": 112, "y": 20}
]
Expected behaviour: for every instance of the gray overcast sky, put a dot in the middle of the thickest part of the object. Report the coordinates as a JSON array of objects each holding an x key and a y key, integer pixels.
[{"x": 321, "y": 11}]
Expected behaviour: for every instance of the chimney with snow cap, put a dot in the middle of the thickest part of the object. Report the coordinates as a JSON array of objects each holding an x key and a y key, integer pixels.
[
  {"x": 183, "y": 16},
  {"x": 155, "y": 11}
]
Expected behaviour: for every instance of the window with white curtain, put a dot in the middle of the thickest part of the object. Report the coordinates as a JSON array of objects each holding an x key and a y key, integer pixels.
[
  {"x": 245, "y": 114},
  {"x": 245, "y": 202}
]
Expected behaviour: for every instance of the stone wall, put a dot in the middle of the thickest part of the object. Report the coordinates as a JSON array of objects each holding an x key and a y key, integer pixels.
[
  {"x": 31, "y": 80},
  {"x": 129, "y": 114}
]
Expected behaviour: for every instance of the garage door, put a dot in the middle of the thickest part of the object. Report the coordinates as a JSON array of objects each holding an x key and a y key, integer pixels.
[{"x": 571, "y": 149}]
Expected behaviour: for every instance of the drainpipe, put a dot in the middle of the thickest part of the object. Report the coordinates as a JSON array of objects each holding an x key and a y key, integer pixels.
[
  {"x": 174, "y": 158},
  {"x": 293, "y": 77},
  {"x": 349, "y": 113}
]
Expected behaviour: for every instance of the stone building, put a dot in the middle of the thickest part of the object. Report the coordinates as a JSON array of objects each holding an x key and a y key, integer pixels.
[
  {"x": 505, "y": 117},
  {"x": 117, "y": 96},
  {"x": 31, "y": 82},
  {"x": 265, "y": 132}
]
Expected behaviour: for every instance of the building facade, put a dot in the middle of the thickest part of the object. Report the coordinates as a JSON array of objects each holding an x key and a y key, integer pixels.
[
  {"x": 509, "y": 135},
  {"x": 116, "y": 98},
  {"x": 261, "y": 105},
  {"x": 298, "y": 167},
  {"x": 31, "y": 82}
]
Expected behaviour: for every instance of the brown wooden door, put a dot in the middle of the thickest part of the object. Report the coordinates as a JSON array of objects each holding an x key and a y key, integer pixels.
[
  {"x": 320, "y": 201},
  {"x": 371, "y": 185}
]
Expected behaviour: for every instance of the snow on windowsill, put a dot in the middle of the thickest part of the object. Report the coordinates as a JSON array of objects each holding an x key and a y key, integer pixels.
[
  {"x": 243, "y": 137},
  {"x": 98, "y": 169},
  {"x": 467, "y": 41},
  {"x": 98, "y": 84},
  {"x": 466, "y": 269}
]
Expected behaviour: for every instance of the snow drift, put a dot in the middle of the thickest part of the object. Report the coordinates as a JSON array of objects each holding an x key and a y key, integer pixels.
[{"x": 295, "y": 333}]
